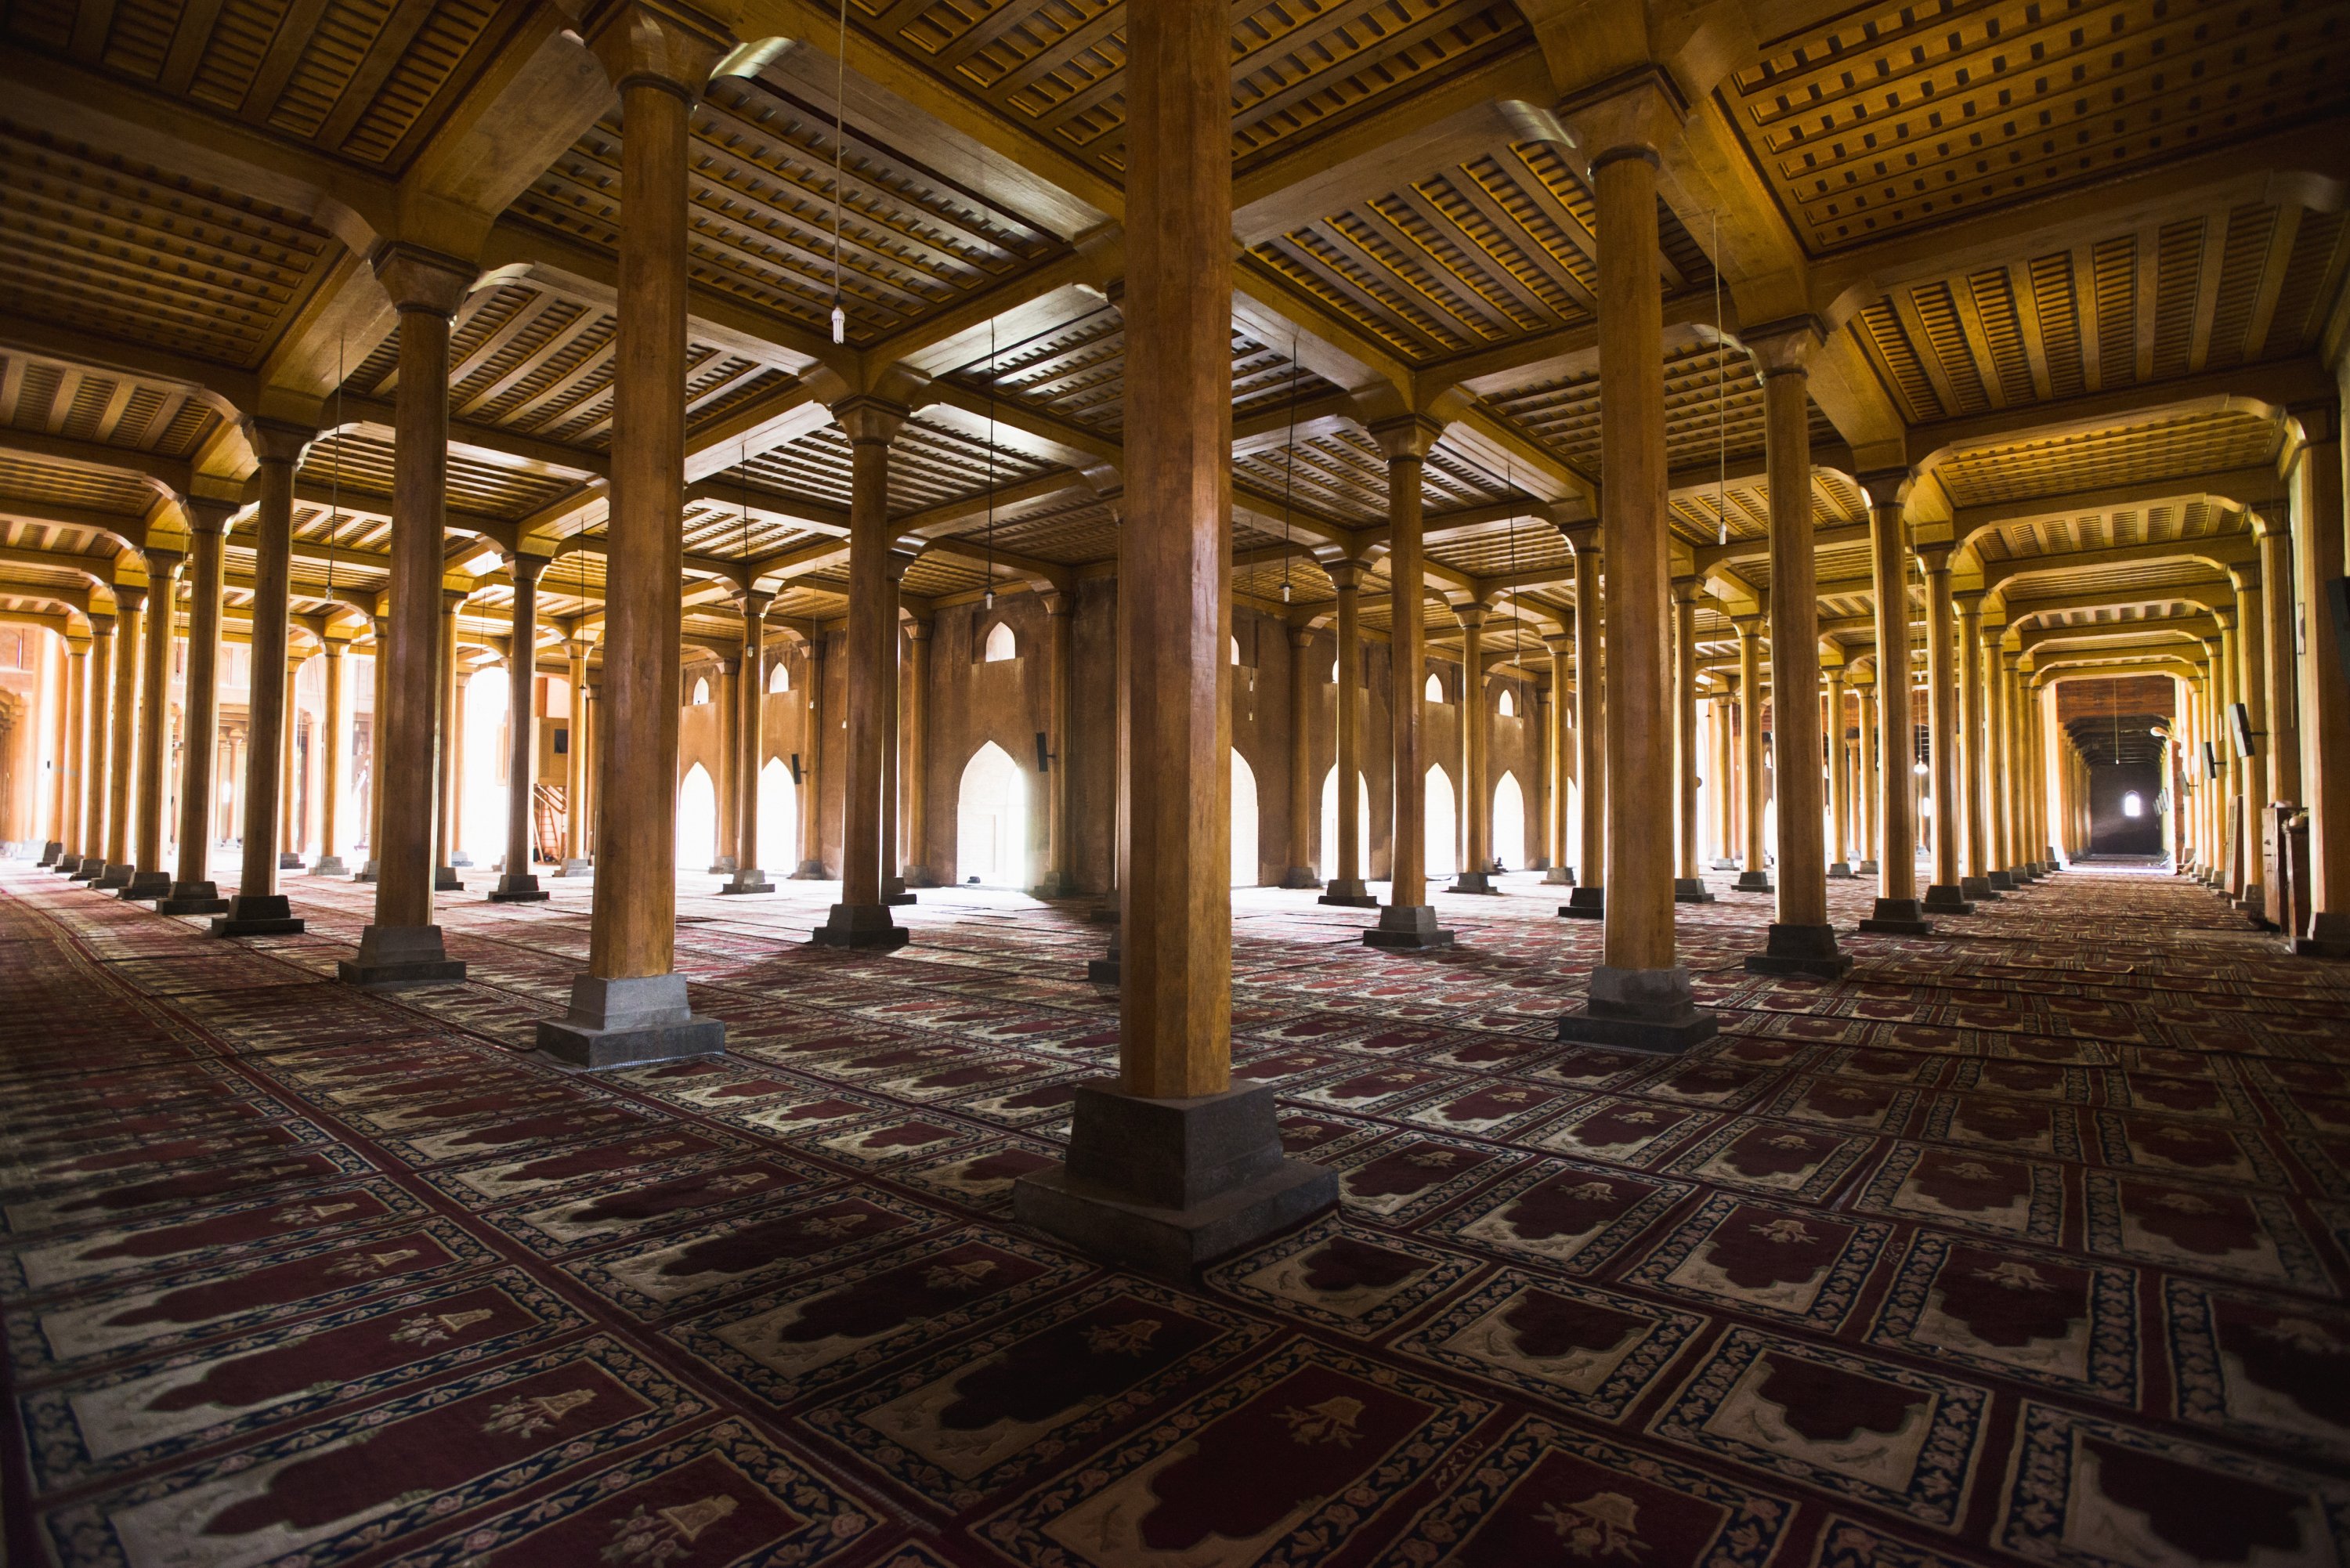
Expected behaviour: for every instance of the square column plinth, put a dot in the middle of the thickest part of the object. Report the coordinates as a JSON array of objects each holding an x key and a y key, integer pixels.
[
  {"x": 1472, "y": 882},
  {"x": 1348, "y": 894},
  {"x": 1899, "y": 917},
  {"x": 1943, "y": 899},
  {"x": 1650, "y": 1010},
  {"x": 1754, "y": 882},
  {"x": 748, "y": 880},
  {"x": 1169, "y": 1185},
  {"x": 1690, "y": 890},
  {"x": 1800, "y": 949},
  {"x": 623, "y": 1023},
  {"x": 145, "y": 884},
  {"x": 268, "y": 915},
  {"x": 1585, "y": 904},
  {"x": 1409, "y": 927},
  {"x": 391, "y": 957},
  {"x": 517, "y": 887},
  {"x": 866, "y": 927},
  {"x": 193, "y": 899}
]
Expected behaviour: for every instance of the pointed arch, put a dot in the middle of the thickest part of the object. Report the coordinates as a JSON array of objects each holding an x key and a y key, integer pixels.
[
  {"x": 1000, "y": 645},
  {"x": 1328, "y": 862},
  {"x": 1433, "y": 690},
  {"x": 1510, "y": 822},
  {"x": 779, "y": 679},
  {"x": 700, "y": 690},
  {"x": 992, "y": 820},
  {"x": 1245, "y": 821},
  {"x": 779, "y": 816},
  {"x": 697, "y": 818},
  {"x": 1507, "y": 705},
  {"x": 1442, "y": 806}
]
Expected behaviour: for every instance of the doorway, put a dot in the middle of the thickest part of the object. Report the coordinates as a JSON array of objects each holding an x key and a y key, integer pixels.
[{"x": 992, "y": 820}]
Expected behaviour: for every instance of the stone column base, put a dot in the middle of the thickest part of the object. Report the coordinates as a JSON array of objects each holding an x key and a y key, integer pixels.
[
  {"x": 1348, "y": 894},
  {"x": 50, "y": 851},
  {"x": 395, "y": 956},
  {"x": 2329, "y": 936},
  {"x": 1723, "y": 863},
  {"x": 811, "y": 871},
  {"x": 193, "y": 899},
  {"x": 1052, "y": 885},
  {"x": 1942, "y": 898},
  {"x": 115, "y": 877},
  {"x": 446, "y": 881},
  {"x": 1977, "y": 890},
  {"x": 1472, "y": 882},
  {"x": 1840, "y": 871},
  {"x": 1899, "y": 917},
  {"x": 2002, "y": 881},
  {"x": 1868, "y": 868},
  {"x": 1753, "y": 882},
  {"x": 1166, "y": 1187},
  {"x": 1690, "y": 890},
  {"x": 368, "y": 872},
  {"x": 329, "y": 866},
  {"x": 865, "y": 926},
  {"x": 920, "y": 877},
  {"x": 1559, "y": 877},
  {"x": 288, "y": 860},
  {"x": 1649, "y": 1010},
  {"x": 90, "y": 870},
  {"x": 517, "y": 889},
  {"x": 621, "y": 1023},
  {"x": 1299, "y": 877},
  {"x": 147, "y": 885},
  {"x": 265, "y": 915},
  {"x": 577, "y": 866},
  {"x": 723, "y": 867},
  {"x": 901, "y": 898},
  {"x": 1408, "y": 926},
  {"x": 748, "y": 880},
  {"x": 1585, "y": 904},
  {"x": 65, "y": 865},
  {"x": 1800, "y": 949}
]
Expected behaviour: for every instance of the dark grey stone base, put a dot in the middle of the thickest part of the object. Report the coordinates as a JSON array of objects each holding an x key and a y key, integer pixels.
[
  {"x": 368, "y": 872},
  {"x": 65, "y": 865},
  {"x": 811, "y": 871},
  {"x": 723, "y": 867},
  {"x": 1840, "y": 871},
  {"x": 1942, "y": 898},
  {"x": 1472, "y": 882},
  {"x": 193, "y": 899},
  {"x": 1348, "y": 894},
  {"x": 866, "y": 928},
  {"x": 116, "y": 876},
  {"x": 1559, "y": 877},
  {"x": 262, "y": 915},
  {"x": 1977, "y": 890},
  {"x": 577, "y": 865},
  {"x": 90, "y": 870},
  {"x": 1585, "y": 904},
  {"x": 1753, "y": 882},
  {"x": 1168, "y": 1187},
  {"x": 1868, "y": 868},
  {"x": 1647, "y": 1009},
  {"x": 329, "y": 866},
  {"x": 1898, "y": 918},
  {"x": 518, "y": 889},
  {"x": 1690, "y": 890},
  {"x": 391, "y": 957},
  {"x": 1299, "y": 877},
  {"x": 623, "y": 1023},
  {"x": 1723, "y": 863},
  {"x": 901, "y": 898},
  {"x": 1411, "y": 928},
  {"x": 446, "y": 881},
  {"x": 146, "y": 885},
  {"x": 287, "y": 860},
  {"x": 1800, "y": 949},
  {"x": 1106, "y": 971},
  {"x": 2002, "y": 881},
  {"x": 748, "y": 880},
  {"x": 50, "y": 851}
]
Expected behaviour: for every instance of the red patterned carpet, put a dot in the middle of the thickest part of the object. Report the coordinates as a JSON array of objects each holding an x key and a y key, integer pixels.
[{"x": 2024, "y": 1243}]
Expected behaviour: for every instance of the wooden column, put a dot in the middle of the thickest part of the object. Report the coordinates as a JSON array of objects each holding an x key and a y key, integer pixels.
[
  {"x": 122, "y": 766},
  {"x": 811, "y": 867},
  {"x": 449, "y": 751},
  {"x": 1589, "y": 899},
  {"x": 1409, "y": 920},
  {"x": 403, "y": 946},
  {"x": 861, "y": 919},
  {"x": 259, "y": 908},
  {"x": 149, "y": 878},
  {"x": 2014, "y": 763},
  {"x": 893, "y": 776},
  {"x": 289, "y": 820},
  {"x": 380, "y": 676},
  {"x": 1170, "y": 1165},
  {"x": 1982, "y": 656},
  {"x": 2280, "y": 672},
  {"x": 332, "y": 740},
  {"x": 1974, "y": 749},
  {"x": 518, "y": 884},
  {"x": 1755, "y": 793},
  {"x": 96, "y": 732},
  {"x": 750, "y": 744},
  {"x": 1801, "y": 941},
  {"x": 1060, "y": 880},
  {"x": 1346, "y": 886},
  {"x": 726, "y": 697},
  {"x": 2251, "y": 771},
  {"x": 2316, "y": 480},
  {"x": 1300, "y": 870},
  {"x": 1689, "y": 880},
  {"x": 630, "y": 1005},
  {"x": 1476, "y": 746},
  {"x": 192, "y": 892},
  {"x": 1840, "y": 829},
  {"x": 1949, "y": 892},
  {"x": 912, "y": 772},
  {"x": 1561, "y": 741},
  {"x": 1866, "y": 791},
  {"x": 69, "y": 828},
  {"x": 1725, "y": 777}
]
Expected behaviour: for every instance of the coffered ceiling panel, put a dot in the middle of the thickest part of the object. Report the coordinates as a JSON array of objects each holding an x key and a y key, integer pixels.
[{"x": 2177, "y": 446}]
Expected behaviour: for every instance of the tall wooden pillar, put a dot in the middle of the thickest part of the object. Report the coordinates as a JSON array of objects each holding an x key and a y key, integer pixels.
[
  {"x": 289, "y": 818},
  {"x": 1867, "y": 792},
  {"x": 450, "y": 752},
  {"x": 630, "y": 1005},
  {"x": 69, "y": 826},
  {"x": 1982, "y": 656},
  {"x": 192, "y": 892},
  {"x": 1973, "y": 750},
  {"x": 1476, "y": 792},
  {"x": 912, "y": 772},
  {"x": 1754, "y": 792},
  {"x": 2227, "y": 691},
  {"x": 130, "y": 603},
  {"x": 1949, "y": 893},
  {"x": 1409, "y": 920},
  {"x": 1346, "y": 886},
  {"x": 726, "y": 697},
  {"x": 1561, "y": 741},
  {"x": 2280, "y": 672},
  {"x": 1839, "y": 828},
  {"x": 1060, "y": 880},
  {"x": 1689, "y": 881},
  {"x": 1589, "y": 899},
  {"x": 2250, "y": 770},
  {"x": 811, "y": 867},
  {"x": 1300, "y": 870},
  {"x": 1169, "y": 1164},
  {"x": 333, "y": 741},
  {"x": 97, "y": 726},
  {"x": 259, "y": 908},
  {"x": 1801, "y": 941},
  {"x": 518, "y": 884},
  {"x": 861, "y": 919},
  {"x": 1725, "y": 776},
  {"x": 751, "y": 746},
  {"x": 893, "y": 694},
  {"x": 403, "y": 946},
  {"x": 379, "y": 677},
  {"x": 2317, "y": 486},
  {"x": 148, "y": 880}
]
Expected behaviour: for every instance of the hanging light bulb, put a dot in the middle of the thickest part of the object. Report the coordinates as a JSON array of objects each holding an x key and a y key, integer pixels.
[
  {"x": 840, "y": 323},
  {"x": 1284, "y": 593}
]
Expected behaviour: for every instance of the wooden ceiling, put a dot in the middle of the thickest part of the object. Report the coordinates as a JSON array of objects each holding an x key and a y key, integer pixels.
[{"x": 2033, "y": 360}]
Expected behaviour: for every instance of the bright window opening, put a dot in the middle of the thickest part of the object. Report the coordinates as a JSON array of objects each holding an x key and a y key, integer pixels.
[
  {"x": 1509, "y": 705},
  {"x": 1434, "y": 690},
  {"x": 701, "y": 692},
  {"x": 2132, "y": 806},
  {"x": 1000, "y": 644},
  {"x": 779, "y": 679}
]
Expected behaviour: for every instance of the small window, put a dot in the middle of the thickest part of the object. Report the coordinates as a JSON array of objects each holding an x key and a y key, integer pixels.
[
  {"x": 779, "y": 679},
  {"x": 1000, "y": 644},
  {"x": 1509, "y": 708},
  {"x": 2132, "y": 806},
  {"x": 1434, "y": 692},
  {"x": 1334, "y": 672},
  {"x": 700, "y": 690},
  {"x": 1236, "y": 652}
]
